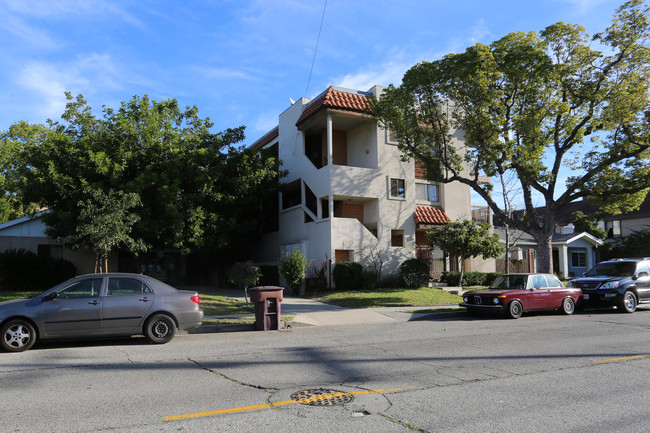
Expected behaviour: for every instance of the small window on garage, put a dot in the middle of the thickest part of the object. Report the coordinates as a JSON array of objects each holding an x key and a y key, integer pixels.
[{"x": 397, "y": 238}]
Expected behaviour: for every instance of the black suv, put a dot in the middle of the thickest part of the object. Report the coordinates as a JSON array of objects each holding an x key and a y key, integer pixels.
[{"x": 620, "y": 282}]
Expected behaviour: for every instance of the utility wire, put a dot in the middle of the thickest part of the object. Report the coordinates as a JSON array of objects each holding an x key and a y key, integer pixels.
[{"x": 316, "y": 50}]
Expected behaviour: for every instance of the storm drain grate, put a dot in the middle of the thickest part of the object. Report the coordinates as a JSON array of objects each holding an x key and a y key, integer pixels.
[{"x": 321, "y": 397}]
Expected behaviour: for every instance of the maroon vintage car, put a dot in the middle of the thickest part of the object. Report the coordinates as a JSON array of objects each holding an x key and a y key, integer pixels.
[{"x": 514, "y": 294}]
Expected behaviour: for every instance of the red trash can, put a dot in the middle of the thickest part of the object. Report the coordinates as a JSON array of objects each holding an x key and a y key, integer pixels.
[{"x": 266, "y": 300}]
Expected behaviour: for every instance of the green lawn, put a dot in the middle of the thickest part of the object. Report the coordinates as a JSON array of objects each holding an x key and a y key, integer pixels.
[
  {"x": 391, "y": 298},
  {"x": 6, "y": 295},
  {"x": 214, "y": 305}
]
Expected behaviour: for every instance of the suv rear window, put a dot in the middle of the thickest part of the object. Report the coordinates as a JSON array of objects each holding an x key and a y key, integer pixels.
[{"x": 613, "y": 269}]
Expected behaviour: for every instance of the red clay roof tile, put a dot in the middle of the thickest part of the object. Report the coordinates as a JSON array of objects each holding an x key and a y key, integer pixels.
[
  {"x": 335, "y": 99},
  {"x": 430, "y": 215}
]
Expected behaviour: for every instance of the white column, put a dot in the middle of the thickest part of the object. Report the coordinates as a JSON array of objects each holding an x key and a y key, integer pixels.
[
  {"x": 564, "y": 261},
  {"x": 330, "y": 145}
]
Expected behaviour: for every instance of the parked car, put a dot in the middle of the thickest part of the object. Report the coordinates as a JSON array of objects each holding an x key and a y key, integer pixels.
[
  {"x": 515, "y": 294},
  {"x": 99, "y": 305},
  {"x": 623, "y": 283}
]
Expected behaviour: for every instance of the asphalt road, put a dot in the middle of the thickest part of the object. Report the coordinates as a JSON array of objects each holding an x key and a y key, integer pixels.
[{"x": 444, "y": 373}]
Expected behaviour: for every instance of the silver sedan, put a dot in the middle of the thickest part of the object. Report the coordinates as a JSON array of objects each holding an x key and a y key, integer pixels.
[{"x": 99, "y": 305}]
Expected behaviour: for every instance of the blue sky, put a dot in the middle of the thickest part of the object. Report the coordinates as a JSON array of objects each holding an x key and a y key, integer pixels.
[{"x": 240, "y": 61}]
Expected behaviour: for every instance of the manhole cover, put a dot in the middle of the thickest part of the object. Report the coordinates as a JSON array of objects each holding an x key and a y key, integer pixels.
[{"x": 321, "y": 397}]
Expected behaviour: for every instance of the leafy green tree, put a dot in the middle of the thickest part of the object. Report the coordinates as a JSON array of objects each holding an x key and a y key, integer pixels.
[
  {"x": 246, "y": 274},
  {"x": 636, "y": 244},
  {"x": 197, "y": 189},
  {"x": 589, "y": 224},
  {"x": 105, "y": 223},
  {"x": 464, "y": 239},
  {"x": 527, "y": 104},
  {"x": 293, "y": 267}
]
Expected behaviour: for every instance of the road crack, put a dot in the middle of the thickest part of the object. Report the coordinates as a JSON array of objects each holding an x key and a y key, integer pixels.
[{"x": 238, "y": 382}]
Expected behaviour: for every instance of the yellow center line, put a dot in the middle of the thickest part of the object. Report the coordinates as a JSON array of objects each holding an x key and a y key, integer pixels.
[
  {"x": 621, "y": 359},
  {"x": 279, "y": 403}
]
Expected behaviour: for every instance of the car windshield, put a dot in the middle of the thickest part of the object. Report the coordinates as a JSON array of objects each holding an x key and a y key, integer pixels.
[
  {"x": 613, "y": 269},
  {"x": 511, "y": 282}
]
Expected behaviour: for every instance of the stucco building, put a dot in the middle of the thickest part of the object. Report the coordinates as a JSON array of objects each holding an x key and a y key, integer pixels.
[{"x": 349, "y": 195}]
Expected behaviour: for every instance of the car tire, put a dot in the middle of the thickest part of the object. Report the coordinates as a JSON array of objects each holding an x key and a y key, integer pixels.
[
  {"x": 160, "y": 329},
  {"x": 515, "y": 310},
  {"x": 18, "y": 335},
  {"x": 628, "y": 303},
  {"x": 568, "y": 306}
]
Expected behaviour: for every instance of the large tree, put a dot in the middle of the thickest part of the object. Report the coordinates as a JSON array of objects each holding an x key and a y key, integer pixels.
[
  {"x": 535, "y": 105},
  {"x": 196, "y": 188}
]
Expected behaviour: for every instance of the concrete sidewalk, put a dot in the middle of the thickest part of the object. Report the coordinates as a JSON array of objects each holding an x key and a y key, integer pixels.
[{"x": 309, "y": 312}]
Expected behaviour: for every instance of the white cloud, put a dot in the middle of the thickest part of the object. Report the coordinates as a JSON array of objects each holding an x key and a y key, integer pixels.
[
  {"x": 384, "y": 74},
  {"x": 48, "y": 82},
  {"x": 44, "y": 80}
]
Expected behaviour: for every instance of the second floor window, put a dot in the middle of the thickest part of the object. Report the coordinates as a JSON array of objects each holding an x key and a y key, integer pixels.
[
  {"x": 613, "y": 228},
  {"x": 397, "y": 188},
  {"x": 426, "y": 192}
]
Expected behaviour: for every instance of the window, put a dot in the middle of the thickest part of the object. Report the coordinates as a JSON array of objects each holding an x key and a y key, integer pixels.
[
  {"x": 613, "y": 228},
  {"x": 552, "y": 281},
  {"x": 391, "y": 137},
  {"x": 397, "y": 238},
  {"x": 397, "y": 188},
  {"x": 579, "y": 259},
  {"x": 88, "y": 288},
  {"x": 426, "y": 192},
  {"x": 126, "y": 286},
  {"x": 539, "y": 281}
]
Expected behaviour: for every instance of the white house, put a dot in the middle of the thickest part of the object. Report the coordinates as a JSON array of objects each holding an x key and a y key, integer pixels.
[
  {"x": 349, "y": 195},
  {"x": 28, "y": 233}
]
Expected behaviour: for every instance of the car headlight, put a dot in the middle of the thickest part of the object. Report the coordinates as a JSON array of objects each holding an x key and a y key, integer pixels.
[
  {"x": 495, "y": 301},
  {"x": 465, "y": 299},
  {"x": 609, "y": 285}
]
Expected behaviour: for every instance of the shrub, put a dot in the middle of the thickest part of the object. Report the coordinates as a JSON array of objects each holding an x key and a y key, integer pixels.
[
  {"x": 391, "y": 281},
  {"x": 369, "y": 279},
  {"x": 24, "y": 270},
  {"x": 472, "y": 278},
  {"x": 414, "y": 273},
  {"x": 293, "y": 266},
  {"x": 347, "y": 275},
  {"x": 270, "y": 275}
]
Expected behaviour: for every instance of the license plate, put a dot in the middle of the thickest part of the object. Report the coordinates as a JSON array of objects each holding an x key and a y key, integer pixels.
[{"x": 585, "y": 296}]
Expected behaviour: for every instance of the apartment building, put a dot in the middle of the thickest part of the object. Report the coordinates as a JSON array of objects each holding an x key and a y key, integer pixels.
[{"x": 349, "y": 195}]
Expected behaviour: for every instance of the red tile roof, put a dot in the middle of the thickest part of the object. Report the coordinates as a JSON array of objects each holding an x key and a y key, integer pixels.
[
  {"x": 270, "y": 136},
  {"x": 430, "y": 215},
  {"x": 337, "y": 99}
]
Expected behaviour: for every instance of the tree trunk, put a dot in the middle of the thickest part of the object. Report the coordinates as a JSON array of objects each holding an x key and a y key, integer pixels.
[
  {"x": 545, "y": 254},
  {"x": 462, "y": 272}
]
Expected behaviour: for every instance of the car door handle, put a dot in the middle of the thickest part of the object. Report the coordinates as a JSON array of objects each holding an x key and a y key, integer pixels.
[
  {"x": 94, "y": 302},
  {"x": 144, "y": 299}
]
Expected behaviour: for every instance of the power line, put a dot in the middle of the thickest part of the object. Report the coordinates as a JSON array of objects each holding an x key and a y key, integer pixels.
[{"x": 316, "y": 50}]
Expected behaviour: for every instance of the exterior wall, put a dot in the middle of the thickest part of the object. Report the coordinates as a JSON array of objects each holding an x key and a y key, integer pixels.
[
  {"x": 631, "y": 225},
  {"x": 28, "y": 234}
]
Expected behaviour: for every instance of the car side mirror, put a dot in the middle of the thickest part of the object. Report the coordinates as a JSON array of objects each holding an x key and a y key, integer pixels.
[{"x": 51, "y": 296}]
